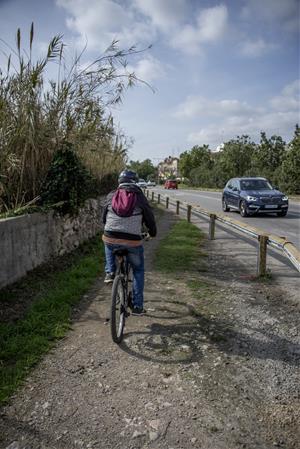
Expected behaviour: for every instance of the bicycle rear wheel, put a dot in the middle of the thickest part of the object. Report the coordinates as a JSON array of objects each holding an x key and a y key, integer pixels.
[
  {"x": 130, "y": 287},
  {"x": 117, "y": 315}
]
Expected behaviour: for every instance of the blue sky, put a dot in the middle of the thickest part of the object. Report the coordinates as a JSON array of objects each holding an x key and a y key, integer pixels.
[{"x": 219, "y": 69}]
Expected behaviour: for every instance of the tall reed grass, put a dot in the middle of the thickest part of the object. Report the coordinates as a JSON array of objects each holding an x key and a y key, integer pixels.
[{"x": 37, "y": 115}]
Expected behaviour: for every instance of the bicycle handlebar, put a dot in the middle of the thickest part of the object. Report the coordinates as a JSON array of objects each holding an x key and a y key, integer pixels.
[{"x": 146, "y": 236}]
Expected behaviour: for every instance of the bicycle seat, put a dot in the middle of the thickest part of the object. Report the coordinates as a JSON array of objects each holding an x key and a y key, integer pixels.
[{"x": 120, "y": 252}]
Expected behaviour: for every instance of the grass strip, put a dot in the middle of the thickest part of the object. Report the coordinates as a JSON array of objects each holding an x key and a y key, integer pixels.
[
  {"x": 180, "y": 254},
  {"x": 180, "y": 250},
  {"x": 48, "y": 317}
]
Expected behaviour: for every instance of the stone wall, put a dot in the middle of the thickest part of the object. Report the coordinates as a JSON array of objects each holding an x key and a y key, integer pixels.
[{"x": 30, "y": 240}]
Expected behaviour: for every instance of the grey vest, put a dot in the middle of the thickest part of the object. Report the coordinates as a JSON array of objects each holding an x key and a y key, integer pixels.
[{"x": 128, "y": 225}]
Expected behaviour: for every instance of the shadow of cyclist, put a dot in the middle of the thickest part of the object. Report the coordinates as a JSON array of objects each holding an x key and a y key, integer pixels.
[{"x": 185, "y": 342}]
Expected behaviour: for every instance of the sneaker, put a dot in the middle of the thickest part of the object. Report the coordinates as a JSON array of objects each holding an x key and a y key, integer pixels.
[
  {"x": 109, "y": 278},
  {"x": 138, "y": 311}
]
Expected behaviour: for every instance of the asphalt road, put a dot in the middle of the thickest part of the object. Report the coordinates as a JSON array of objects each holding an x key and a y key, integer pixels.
[{"x": 288, "y": 226}]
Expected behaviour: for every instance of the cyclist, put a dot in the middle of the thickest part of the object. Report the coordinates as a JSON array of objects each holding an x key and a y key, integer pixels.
[{"x": 125, "y": 212}]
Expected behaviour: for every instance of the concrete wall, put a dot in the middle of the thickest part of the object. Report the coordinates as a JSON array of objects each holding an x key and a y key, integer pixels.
[{"x": 30, "y": 240}]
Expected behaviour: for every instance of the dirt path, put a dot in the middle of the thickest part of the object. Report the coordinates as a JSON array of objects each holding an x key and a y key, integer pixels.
[{"x": 213, "y": 368}]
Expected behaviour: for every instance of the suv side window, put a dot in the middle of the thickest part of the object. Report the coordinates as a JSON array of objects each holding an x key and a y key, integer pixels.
[
  {"x": 229, "y": 185},
  {"x": 235, "y": 185}
]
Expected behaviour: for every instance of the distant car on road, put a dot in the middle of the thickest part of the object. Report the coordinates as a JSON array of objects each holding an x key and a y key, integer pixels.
[
  {"x": 171, "y": 184},
  {"x": 253, "y": 195},
  {"x": 142, "y": 183},
  {"x": 151, "y": 184}
]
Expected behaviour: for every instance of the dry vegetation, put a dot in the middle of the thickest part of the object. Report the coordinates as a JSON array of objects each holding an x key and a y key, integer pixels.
[{"x": 37, "y": 116}]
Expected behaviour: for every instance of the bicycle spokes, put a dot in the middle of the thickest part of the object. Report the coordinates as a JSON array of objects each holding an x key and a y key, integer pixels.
[{"x": 118, "y": 309}]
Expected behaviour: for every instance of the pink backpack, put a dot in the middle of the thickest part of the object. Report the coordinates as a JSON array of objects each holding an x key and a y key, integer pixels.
[{"x": 123, "y": 202}]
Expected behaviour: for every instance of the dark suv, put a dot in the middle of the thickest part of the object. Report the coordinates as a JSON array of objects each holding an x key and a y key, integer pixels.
[{"x": 252, "y": 195}]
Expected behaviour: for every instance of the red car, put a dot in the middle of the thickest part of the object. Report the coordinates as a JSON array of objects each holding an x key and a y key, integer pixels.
[{"x": 171, "y": 184}]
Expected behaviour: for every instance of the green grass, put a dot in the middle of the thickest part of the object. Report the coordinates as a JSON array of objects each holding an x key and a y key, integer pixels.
[
  {"x": 180, "y": 250},
  {"x": 48, "y": 315},
  {"x": 181, "y": 255}
]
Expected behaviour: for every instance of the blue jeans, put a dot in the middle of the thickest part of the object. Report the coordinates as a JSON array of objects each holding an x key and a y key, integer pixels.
[{"x": 136, "y": 260}]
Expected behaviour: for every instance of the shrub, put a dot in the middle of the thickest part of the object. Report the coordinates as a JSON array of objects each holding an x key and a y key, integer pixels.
[{"x": 67, "y": 183}]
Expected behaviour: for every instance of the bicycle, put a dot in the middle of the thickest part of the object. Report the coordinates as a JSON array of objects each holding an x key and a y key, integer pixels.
[{"x": 122, "y": 294}]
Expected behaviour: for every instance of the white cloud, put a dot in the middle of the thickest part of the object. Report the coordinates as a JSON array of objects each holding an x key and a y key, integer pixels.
[
  {"x": 280, "y": 123},
  {"x": 101, "y": 22},
  {"x": 139, "y": 21},
  {"x": 165, "y": 14},
  {"x": 233, "y": 117},
  {"x": 196, "y": 106},
  {"x": 149, "y": 69},
  {"x": 187, "y": 40},
  {"x": 211, "y": 24},
  {"x": 292, "y": 89},
  {"x": 257, "y": 48},
  {"x": 289, "y": 99}
]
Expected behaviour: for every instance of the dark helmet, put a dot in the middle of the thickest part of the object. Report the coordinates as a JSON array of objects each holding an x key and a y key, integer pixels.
[{"x": 128, "y": 176}]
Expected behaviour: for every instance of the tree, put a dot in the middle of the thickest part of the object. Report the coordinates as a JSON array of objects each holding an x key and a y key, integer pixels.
[
  {"x": 290, "y": 169},
  {"x": 189, "y": 160},
  {"x": 235, "y": 159},
  {"x": 185, "y": 164},
  {"x": 268, "y": 157},
  {"x": 144, "y": 169}
]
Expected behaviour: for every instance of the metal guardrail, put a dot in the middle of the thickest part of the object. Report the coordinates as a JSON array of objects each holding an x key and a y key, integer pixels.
[{"x": 264, "y": 239}]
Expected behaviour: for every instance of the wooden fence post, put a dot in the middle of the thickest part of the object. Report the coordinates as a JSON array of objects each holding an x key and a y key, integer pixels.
[
  {"x": 189, "y": 212},
  {"x": 152, "y": 196},
  {"x": 262, "y": 255},
  {"x": 147, "y": 193},
  {"x": 158, "y": 198},
  {"x": 177, "y": 207},
  {"x": 167, "y": 202},
  {"x": 212, "y": 224}
]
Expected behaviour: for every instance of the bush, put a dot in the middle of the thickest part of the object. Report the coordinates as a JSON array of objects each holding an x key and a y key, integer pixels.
[{"x": 67, "y": 183}]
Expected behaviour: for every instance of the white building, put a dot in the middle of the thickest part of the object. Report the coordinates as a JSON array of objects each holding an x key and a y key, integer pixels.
[
  {"x": 168, "y": 167},
  {"x": 218, "y": 149}
]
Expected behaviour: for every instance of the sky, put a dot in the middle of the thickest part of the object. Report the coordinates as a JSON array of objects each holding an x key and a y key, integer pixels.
[{"x": 217, "y": 69}]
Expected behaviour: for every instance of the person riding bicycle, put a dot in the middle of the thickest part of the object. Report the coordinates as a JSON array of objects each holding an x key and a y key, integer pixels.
[{"x": 126, "y": 210}]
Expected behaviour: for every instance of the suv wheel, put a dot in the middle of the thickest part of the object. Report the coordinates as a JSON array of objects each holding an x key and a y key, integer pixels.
[
  {"x": 225, "y": 206},
  {"x": 243, "y": 209},
  {"x": 282, "y": 213}
]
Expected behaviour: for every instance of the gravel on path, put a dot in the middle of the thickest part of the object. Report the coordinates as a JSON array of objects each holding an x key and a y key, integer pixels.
[{"x": 215, "y": 366}]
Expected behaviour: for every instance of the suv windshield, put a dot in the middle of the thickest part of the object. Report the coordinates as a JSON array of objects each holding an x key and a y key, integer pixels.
[{"x": 255, "y": 184}]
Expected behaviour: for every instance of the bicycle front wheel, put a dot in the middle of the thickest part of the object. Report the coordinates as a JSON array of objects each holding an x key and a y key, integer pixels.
[{"x": 117, "y": 315}]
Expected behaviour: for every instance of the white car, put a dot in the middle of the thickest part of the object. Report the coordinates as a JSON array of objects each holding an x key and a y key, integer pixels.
[
  {"x": 142, "y": 183},
  {"x": 151, "y": 184}
]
